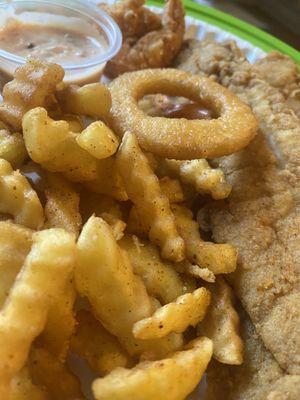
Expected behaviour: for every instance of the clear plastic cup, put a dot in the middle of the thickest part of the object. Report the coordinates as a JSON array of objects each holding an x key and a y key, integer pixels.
[{"x": 83, "y": 13}]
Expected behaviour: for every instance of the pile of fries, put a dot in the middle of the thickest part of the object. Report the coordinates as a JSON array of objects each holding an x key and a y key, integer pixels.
[{"x": 100, "y": 253}]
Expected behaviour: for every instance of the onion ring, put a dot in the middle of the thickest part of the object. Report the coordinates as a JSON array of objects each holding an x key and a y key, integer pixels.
[{"x": 180, "y": 138}]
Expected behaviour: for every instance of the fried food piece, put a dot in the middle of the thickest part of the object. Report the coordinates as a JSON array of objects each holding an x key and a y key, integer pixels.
[
  {"x": 12, "y": 148},
  {"x": 198, "y": 272},
  {"x": 261, "y": 217},
  {"x": 52, "y": 374},
  {"x": 176, "y": 375},
  {"x": 218, "y": 258},
  {"x": 200, "y": 175},
  {"x": 15, "y": 244},
  {"x": 160, "y": 277},
  {"x": 133, "y": 19},
  {"x": 22, "y": 387},
  {"x": 75, "y": 122},
  {"x": 258, "y": 378},
  {"x": 152, "y": 205},
  {"x": 103, "y": 267},
  {"x": 156, "y": 49},
  {"x": 97, "y": 204},
  {"x": 38, "y": 284},
  {"x": 181, "y": 138},
  {"x": 117, "y": 225},
  {"x": 171, "y": 189},
  {"x": 187, "y": 310},
  {"x": 33, "y": 83},
  {"x": 221, "y": 325},
  {"x": 95, "y": 344},
  {"x": 52, "y": 144},
  {"x": 62, "y": 204},
  {"x": 98, "y": 140},
  {"x": 18, "y": 199},
  {"x": 281, "y": 72},
  {"x": 92, "y": 100}
]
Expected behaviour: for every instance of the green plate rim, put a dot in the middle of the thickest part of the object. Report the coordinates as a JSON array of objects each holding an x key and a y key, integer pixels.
[{"x": 231, "y": 24}]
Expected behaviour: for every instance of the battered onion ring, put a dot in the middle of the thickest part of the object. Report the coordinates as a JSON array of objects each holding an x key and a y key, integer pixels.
[{"x": 180, "y": 138}]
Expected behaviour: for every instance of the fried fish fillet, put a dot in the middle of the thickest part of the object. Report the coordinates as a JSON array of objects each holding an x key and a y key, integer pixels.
[
  {"x": 261, "y": 217},
  {"x": 258, "y": 378}
]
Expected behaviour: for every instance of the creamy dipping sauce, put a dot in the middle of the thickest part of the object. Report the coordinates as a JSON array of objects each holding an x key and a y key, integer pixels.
[{"x": 49, "y": 43}]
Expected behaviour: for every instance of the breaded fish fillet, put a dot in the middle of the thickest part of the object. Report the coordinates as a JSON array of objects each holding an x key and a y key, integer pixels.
[{"x": 261, "y": 218}]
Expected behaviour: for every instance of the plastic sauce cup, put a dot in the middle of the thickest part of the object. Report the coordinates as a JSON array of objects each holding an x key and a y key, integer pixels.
[{"x": 68, "y": 15}]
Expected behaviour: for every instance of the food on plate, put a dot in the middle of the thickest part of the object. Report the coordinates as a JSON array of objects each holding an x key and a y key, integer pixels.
[
  {"x": 98, "y": 140},
  {"x": 18, "y": 199},
  {"x": 156, "y": 49},
  {"x": 218, "y": 258},
  {"x": 188, "y": 309},
  {"x": 38, "y": 284},
  {"x": 92, "y": 100},
  {"x": 33, "y": 85},
  {"x": 95, "y": 344},
  {"x": 261, "y": 217},
  {"x": 153, "y": 207},
  {"x": 133, "y": 18},
  {"x": 221, "y": 325},
  {"x": 177, "y": 374},
  {"x": 103, "y": 267},
  {"x": 180, "y": 138},
  {"x": 12, "y": 148}
]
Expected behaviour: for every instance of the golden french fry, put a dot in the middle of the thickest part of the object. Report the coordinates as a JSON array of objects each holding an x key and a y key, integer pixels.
[
  {"x": 117, "y": 225},
  {"x": 160, "y": 278},
  {"x": 12, "y": 148},
  {"x": 52, "y": 144},
  {"x": 103, "y": 267},
  {"x": 200, "y": 175},
  {"x": 221, "y": 325},
  {"x": 95, "y": 344},
  {"x": 75, "y": 122},
  {"x": 98, "y": 140},
  {"x": 188, "y": 309},
  {"x": 218, "y": 258},
  {"x": 92, "y": 100},
  {"x": 172, "y": 189},
  {"x": 38, "y": 284},
  {"x": 53, "y": 375},
  {"x": 135, "y": 224},
  {"x": 198, "y": 272},
  {"x": 18, "y": 199},
  {"x": 172, "y": 378},
  {"x": 152, "y": 205},
  {"x": 97, "y": 204},
  {"x": 33, "y": 83},
  {"x": 15, "y": 244},
  {"x": 22, "y": 387},
  {"x": 62, "y": 204}
]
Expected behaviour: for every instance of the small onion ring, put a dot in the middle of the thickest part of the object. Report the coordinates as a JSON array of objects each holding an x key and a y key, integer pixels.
[{"x": 181, "y": 138}]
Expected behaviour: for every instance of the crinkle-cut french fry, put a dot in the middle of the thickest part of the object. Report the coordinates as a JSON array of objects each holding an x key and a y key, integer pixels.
[
  {"x": 32, "y": 86},
  {"x": 39, "y": 283},
  {"x": 98, "y": 140},
  {"x": 219, "y": 258},
  {"x": 152, "y": 205},
  {"x": 108, "y": 180},
  {"x": 93, "y": 100},
  {"x": 200, "y": 175},
  {"x": 104, "y": 268},
  {"x": 54, "y": 375},
  {"x": 53, "y": 145},
  {"x": 97, "y": 346},
  {"x": 117, "y": 225},
  {"x": 160, "y": 278},
  {"x": 18, "y": 199},
  {"x": 188, "y": 309},
  {"x": 22, "y": 387},
  {"x": 198, "y": 272},
  {"x": 62, "y": 204},
  {"x": 172, "y": 189},
  {"x": 172, "y": 378},
  {"x": 15, "y": 244},
  {"x": 12, "y": 148},
  {"x": 221, "y": 325},
  {"x": 97, "y": 204},
  {"x": 61, "y": 323}
]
